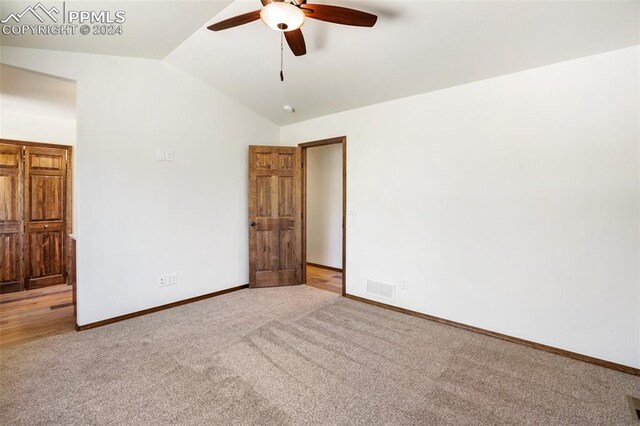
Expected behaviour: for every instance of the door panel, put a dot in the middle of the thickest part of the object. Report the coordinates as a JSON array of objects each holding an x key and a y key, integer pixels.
[
  {"x": 286, "y": 258},
  {"x": 275, "y": 215},
  {"x": 263, "y": 196},
  {"x": 10, "y": 265},
  {"x": 44, "y": 161},
  {"x": 9, "y": 198},
  {"x": 45, "y": 219},
  {"x": 46, "y": 198},
  {"x": 11, "y": 224},
  {"x": 286, "y": 197},
  {"x": 46, "y": 254},
  {"x": 262, "y": 251}
]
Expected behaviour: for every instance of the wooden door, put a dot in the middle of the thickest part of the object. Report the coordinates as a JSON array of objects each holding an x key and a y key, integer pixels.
[
  {"x": 11, "y": 224},
  {"x": 275, "y": 216},
  {"x": 45, "y": 216}
]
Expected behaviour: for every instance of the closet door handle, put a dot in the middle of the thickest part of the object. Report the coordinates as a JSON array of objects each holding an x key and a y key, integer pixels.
[
  {"x": 46, "y": 227},
  {"x": 253, "y": 224}
]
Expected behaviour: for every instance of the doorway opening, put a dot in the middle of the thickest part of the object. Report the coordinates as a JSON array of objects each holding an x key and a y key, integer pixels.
[
  {"x": 324, "y": 194},
  {"x": 37, "y": 278},
  {"x": 37, "y": 246}
]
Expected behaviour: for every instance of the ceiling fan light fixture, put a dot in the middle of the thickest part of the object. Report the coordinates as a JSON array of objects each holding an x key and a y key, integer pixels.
[{"x": 282, "y": 16}]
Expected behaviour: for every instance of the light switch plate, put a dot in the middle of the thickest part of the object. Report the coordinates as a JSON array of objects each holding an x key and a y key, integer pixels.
[
  {"x": 160, "y": 154},
  {"x": 168, "y": 155}
]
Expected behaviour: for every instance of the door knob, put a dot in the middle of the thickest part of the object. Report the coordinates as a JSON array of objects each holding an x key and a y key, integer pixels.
[
  {"x": 253, "y": 224},
  {"x": 46, "y": 226}
]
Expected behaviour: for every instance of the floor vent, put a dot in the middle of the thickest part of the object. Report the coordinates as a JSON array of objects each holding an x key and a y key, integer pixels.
[
  {"x": 634, "y": 405},
  {"x": 382, "y": 290}
]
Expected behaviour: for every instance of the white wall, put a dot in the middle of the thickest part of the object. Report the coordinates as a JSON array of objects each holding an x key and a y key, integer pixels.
[
  {"x": 510, "y": 204},
  {"x": 137, "y": 217},
  {"x": 36, "y": 108},
  {"x": 22, "y": 126},
  {"x": 324, "y": 205}
]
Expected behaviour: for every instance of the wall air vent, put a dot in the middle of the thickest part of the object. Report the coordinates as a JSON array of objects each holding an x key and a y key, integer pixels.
[
  {"x": 373, "y": 287},
  {"x": 382, "y": 290}
]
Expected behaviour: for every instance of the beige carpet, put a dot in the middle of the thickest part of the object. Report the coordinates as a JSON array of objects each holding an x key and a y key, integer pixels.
[{"x": 299, "y": 356}]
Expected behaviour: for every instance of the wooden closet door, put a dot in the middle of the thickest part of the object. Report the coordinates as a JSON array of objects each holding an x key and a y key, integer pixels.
[
  {"x": 11, "y": 225},
  {"x": 45, "y": 216},
  {"x": 275, "y": 216}
]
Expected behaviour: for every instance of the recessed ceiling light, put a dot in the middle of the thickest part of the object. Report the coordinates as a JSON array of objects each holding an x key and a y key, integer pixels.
[{"x": 289, "y": 109}]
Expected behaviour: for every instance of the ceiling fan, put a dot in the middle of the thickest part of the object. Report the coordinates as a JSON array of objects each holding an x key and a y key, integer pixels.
[{"x": 287, "y": 16}]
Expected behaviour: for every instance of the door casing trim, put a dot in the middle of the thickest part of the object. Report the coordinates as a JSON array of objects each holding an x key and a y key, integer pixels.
[{"x": 306, "y": 145}]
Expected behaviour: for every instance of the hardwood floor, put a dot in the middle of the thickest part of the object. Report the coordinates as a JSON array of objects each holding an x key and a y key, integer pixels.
[
  {"x": 34, "y": 314},
  {"x": 324, "y": 279}
]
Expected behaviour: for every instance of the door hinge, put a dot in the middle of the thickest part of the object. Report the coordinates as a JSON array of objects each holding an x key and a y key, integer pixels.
[
  {"x": 24, "y": 153},
  {"x": 66, "y": 156}
]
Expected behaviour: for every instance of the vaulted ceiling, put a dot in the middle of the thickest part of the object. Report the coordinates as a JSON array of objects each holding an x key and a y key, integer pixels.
[
  {"x": 153, "y": 28},
  {"x": 417, "y": 46}
]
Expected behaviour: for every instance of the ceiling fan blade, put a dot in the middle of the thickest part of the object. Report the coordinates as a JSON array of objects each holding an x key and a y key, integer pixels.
[
  {"x": 235, "y": 21},
  {"x": 339, "y": 15},
  {"x": 295, "y": 39}
]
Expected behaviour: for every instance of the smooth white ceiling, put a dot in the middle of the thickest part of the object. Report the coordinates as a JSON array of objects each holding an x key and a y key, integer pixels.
[
  {"x": 416, "y": 47},
  {"x": 35, "y": 93},
  {"x": 152, "y": 28}
]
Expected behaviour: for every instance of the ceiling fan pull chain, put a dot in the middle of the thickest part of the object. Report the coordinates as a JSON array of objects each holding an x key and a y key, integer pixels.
[{"x": 282, "y": 57}]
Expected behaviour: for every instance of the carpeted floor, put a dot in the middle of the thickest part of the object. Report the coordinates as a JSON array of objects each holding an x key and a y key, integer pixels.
[{"x": 299, "y": 356}]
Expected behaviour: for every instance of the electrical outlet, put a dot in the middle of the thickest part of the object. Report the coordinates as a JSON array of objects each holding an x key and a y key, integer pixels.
[
  {"x": 404, "y": 284},
  {"x": 172, "y": 279},
  {"x": 162, "y": 280}
]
